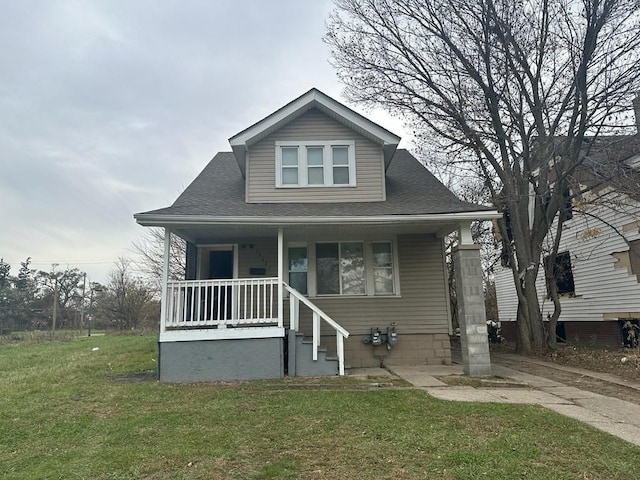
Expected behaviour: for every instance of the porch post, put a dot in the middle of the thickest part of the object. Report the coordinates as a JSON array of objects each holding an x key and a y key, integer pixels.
[
  {"x": 165, "y": 279},
  {"x": 472, "y": 317},
  {"x": 280, "y": 277}
]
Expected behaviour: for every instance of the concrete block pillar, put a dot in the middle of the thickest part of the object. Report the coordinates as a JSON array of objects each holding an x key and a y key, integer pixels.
[{"x": 471, "y": 312}]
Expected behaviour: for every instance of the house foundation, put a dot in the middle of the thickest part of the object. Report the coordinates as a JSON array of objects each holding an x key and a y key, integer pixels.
[
  {"x": 412, "y": 349},
  {"x": 218, "y": 360}
]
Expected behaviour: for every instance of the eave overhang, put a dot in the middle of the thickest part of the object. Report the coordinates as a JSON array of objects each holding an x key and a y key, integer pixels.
[{"x": 164, "y": 220}]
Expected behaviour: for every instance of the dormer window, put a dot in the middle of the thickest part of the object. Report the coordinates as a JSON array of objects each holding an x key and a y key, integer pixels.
[{"x": 315, "y": 164}]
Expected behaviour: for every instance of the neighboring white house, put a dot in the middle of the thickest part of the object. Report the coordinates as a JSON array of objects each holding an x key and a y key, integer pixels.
[{"x": 598, "y": 263}]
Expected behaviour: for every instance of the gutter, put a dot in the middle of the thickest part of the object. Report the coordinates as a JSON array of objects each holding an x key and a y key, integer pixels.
[{"x": 158, "y": 220}]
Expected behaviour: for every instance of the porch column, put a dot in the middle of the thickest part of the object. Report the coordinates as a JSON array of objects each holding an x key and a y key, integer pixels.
[
  {"x": 165, "y": 279},
  {"x": 280, "y": 277},
  {"x": 472, "y": 317}
]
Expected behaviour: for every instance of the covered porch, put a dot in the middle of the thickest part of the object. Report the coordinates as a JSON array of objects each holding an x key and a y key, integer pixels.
[{"x": 238, "y": 291}]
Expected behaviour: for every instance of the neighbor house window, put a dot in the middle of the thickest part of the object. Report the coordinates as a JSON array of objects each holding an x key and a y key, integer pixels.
[
  {"x": 298, "y": 268},
  {"x": 563, "y": 273},
  {"x": 315, "y": 164}
]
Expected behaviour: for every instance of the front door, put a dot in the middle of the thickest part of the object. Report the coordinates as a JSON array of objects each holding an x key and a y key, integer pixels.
[{"x": 221, "y": 268}]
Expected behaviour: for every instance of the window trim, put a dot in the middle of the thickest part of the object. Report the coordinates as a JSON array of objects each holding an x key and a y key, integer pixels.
[{"x": 327, "y": 162}]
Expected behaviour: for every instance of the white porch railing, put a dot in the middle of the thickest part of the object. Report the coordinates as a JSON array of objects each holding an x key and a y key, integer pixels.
[
  {"x": 295, "y": 298},
  {"x": 242, "y": 302}
]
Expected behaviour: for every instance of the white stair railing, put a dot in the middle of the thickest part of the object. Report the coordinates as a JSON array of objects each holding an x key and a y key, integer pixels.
[{"x": 295, "y": 298}]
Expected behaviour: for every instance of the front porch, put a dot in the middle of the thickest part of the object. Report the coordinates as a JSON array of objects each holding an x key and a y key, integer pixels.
[
  {"x": 244, "y": 317},
  {"x": 246, "y": 322}
]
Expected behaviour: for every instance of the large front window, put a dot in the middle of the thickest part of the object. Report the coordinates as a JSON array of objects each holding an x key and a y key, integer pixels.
[
  {"x": 343, "y": 268},
  {"x": 340, "y": 268},
  {"x": 315, "y": 164}
]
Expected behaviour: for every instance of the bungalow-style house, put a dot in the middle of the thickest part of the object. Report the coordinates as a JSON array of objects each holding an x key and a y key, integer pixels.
[
  {"x": 598, "y": 263},
  {"x": 314, "y": 245}
]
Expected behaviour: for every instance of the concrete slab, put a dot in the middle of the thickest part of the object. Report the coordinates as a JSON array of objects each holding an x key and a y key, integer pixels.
[
  {"x": 569, "y": 393},
  {"x": 608, "y": 414},
  {"x": 578, "y": 412},
  {"x": 424, "y": 375},
  {"x": 371, "y": 372},
  {"x": 525, "y": 396},
  {"x": 464, "y": 394},
  {"x": 531, "y": 380},
  {"x": 613, "y": 408}
]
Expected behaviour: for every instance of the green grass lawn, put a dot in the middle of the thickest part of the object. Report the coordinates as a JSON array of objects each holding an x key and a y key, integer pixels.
[{"x": 68, "y": 411}]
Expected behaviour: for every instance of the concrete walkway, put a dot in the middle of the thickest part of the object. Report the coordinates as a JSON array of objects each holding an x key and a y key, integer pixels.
[{"x": 608, "y": 414}]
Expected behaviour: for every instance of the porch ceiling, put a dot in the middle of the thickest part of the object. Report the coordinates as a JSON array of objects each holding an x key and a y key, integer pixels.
[{"x": 227, "y": 232}]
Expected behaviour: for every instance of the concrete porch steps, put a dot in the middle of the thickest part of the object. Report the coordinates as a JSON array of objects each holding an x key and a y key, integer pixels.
[{"x": 301, "y": 363}]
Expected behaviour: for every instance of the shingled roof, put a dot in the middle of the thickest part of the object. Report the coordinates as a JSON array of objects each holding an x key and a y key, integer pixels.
[{"x": 219, "y": 191}]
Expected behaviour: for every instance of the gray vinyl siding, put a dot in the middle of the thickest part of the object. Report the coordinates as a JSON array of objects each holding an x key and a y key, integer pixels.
[
  {"x": 258, "y": 253},
  {"x": 314, "y": 125},
  {"x": 421, "y": 308}
]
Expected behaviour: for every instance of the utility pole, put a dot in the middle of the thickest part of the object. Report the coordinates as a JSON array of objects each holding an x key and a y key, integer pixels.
[
  {"x": 84, "y": 286},
  {"x": 55, "y": 299}
]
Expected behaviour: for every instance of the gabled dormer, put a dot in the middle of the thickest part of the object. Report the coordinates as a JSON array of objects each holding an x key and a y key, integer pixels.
[{"x": 314, "y": 149}]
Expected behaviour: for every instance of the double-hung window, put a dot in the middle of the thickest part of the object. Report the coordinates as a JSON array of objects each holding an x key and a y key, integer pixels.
[
  {"x": 290, "y": 165},
  {"x": 315, "y": 164},
  {"x": 383, "y": 275},
  {"x": 298, "y": 267}
]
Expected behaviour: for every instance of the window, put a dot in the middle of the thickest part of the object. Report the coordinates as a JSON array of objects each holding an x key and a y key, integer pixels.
[
  {"x": 382, "y": 268},
  {"x": 298, "y": 267},
  {"x": 340, "y": 157},
  {"x": 350, "y": 268},
  {"x": 340, "y": 268},
  {"x": 290, "y": 164},
  {"x": 315, "y": 164},
  {"x": 634, "y": 258},
  {"x": 563, "y": 273}
]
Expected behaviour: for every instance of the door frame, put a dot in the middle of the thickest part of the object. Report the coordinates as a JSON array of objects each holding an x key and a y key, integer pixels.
[
  {"x": 206, "y": 248},
  {"x": 203, "y": 255}
]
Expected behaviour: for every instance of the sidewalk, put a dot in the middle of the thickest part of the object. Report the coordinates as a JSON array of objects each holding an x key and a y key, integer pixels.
[{"x": 608, "y": 414}]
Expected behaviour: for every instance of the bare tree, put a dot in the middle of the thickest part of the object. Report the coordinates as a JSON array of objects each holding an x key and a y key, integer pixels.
[
  {"x": 508, "y": 90},
  {"x": 125, "y": 299},
  {"x": 149, "y": 250}
]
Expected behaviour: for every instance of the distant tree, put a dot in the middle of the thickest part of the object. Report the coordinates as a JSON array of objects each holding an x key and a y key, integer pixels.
[
  {"x": 17, "y": 296},
  {"x": 506, "y": 91},
  {"x": 68, "y": 284},
  {"x": 127, "y": 300}
]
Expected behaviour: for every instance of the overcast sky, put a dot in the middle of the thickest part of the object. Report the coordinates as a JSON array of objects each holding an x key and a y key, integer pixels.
[{"x": 108, "y": 108}]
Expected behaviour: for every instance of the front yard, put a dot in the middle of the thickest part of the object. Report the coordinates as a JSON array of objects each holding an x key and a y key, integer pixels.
[{"x": 89, "y": 409}]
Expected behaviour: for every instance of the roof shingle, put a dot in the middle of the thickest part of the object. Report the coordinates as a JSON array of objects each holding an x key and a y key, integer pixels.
[{"x": 218, "y": 191}]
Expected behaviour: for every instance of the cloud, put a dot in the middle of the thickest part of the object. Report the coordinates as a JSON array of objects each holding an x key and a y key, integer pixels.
[{"x": 110, "y": 107}]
